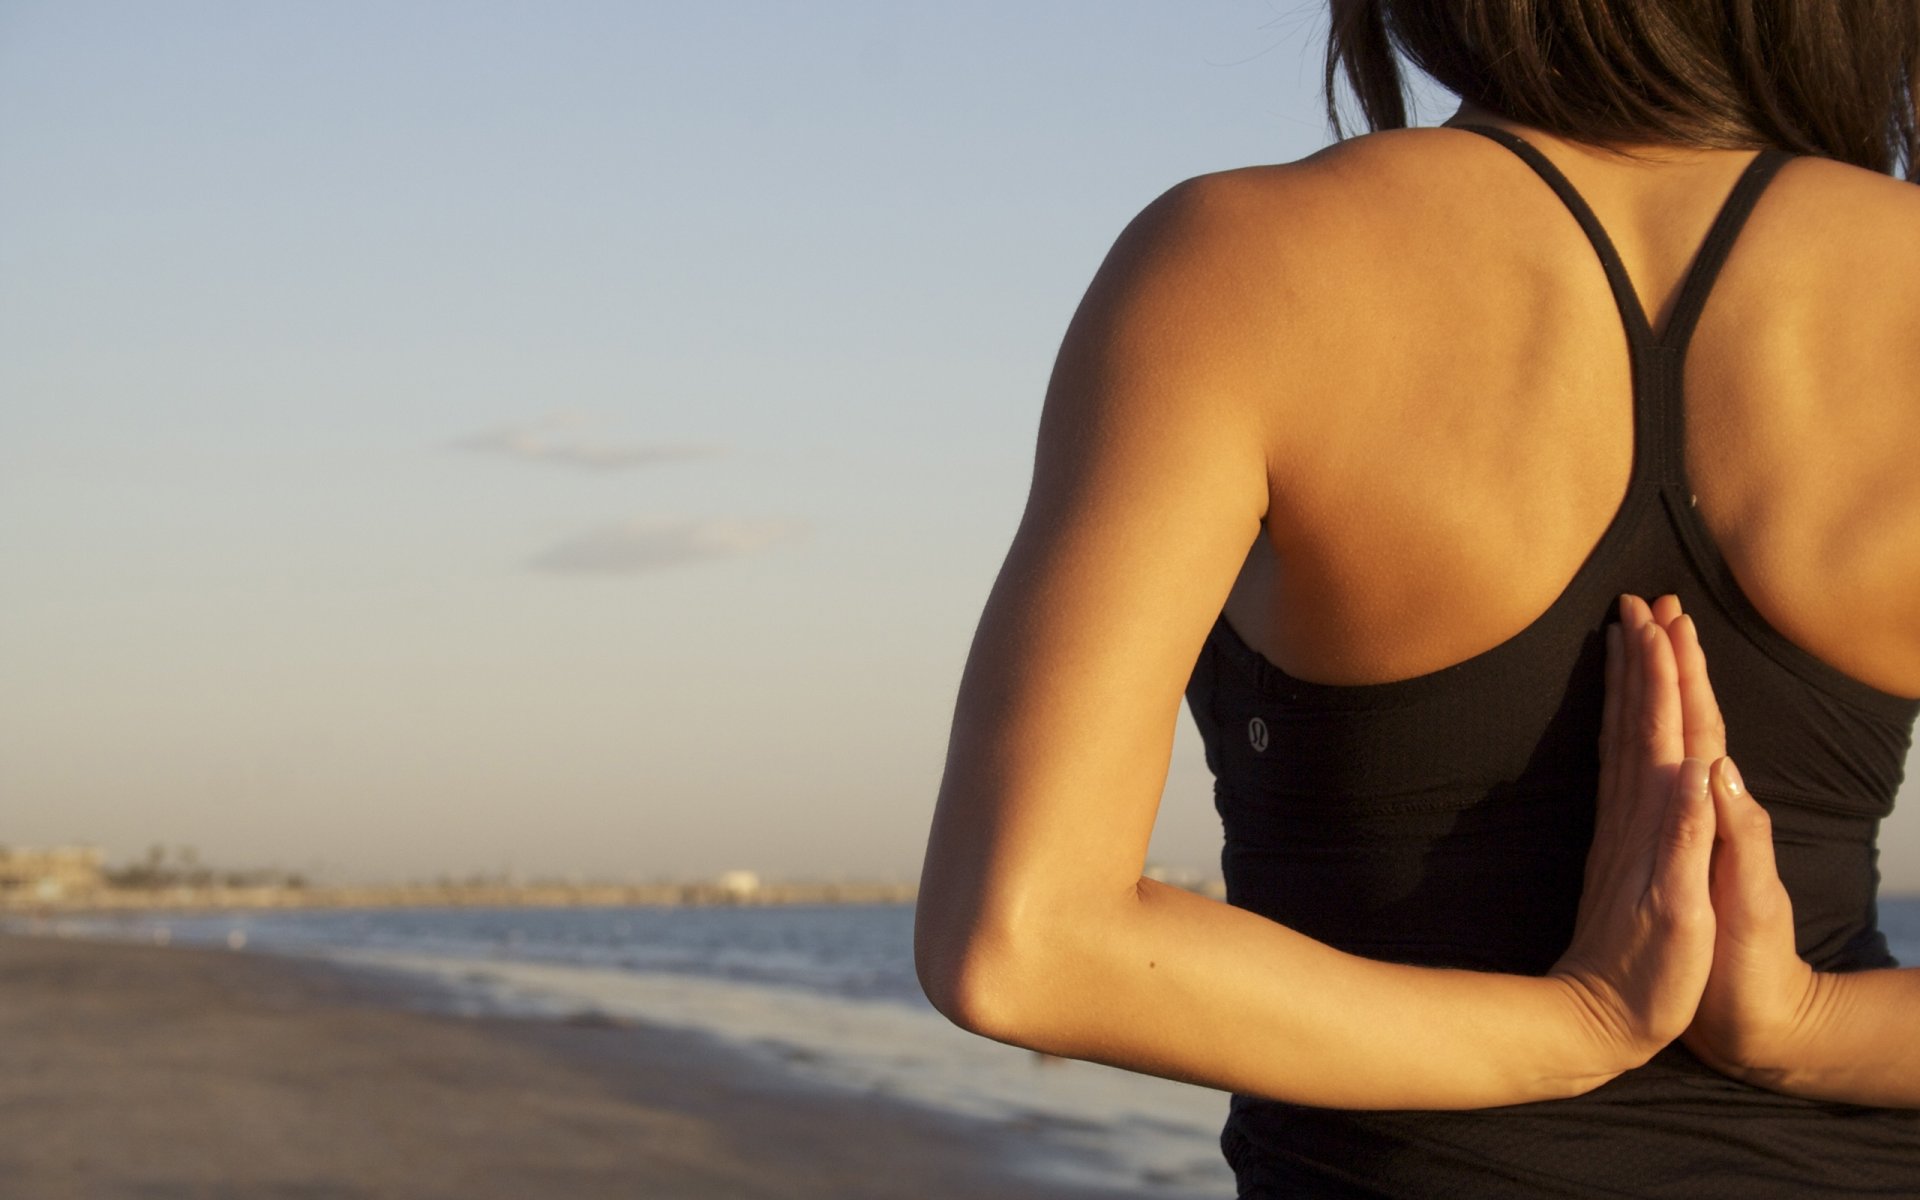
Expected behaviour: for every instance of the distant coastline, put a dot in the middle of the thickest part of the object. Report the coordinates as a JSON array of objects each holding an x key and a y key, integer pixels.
[
  {"x": 459, "y": 895},
  {"x": 76, "y": 879}
]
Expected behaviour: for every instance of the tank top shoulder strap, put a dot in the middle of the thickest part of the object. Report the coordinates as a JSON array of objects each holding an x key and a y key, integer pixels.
[
  {"x": 1659, "y": 415},
  {"x": 1713, "y": 251},
  {"x": 1638, "y": 330}
]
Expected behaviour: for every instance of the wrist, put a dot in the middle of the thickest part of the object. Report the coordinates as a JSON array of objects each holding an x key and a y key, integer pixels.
[
  {"x": 1781, "y": 1052},
  {"x": 1593, "y": 1044},
  {"x": 1511, "y": 1039},
  {"x": 1789, "y": 1059}
]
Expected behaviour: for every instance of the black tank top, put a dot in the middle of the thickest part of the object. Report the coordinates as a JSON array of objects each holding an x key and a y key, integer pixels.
[{"x": 1444, "y": 820}]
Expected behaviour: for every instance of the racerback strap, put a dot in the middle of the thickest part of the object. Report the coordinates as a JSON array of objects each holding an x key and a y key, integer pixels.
[{"x": 1659, "y": 414}]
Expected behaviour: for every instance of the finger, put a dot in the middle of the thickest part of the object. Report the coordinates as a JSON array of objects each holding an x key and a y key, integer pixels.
[
  {"x": 1656, "y": 742},
  {"x": 1634, "y": 612},
  {"x": 1666, "y": 609},
  {"x": 1661, "y": 733},
  {"x": 1705, "y": 730},
  {"x": 1627, "y": 741},
  {"x": 1748, "y": 872},
  {"x": 1686, "y": 844}
]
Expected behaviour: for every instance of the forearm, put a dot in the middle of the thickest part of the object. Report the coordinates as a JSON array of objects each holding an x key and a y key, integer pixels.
[
  {"x": 1174, "y": 984},
  {"x": 1860, "y": 1045}
]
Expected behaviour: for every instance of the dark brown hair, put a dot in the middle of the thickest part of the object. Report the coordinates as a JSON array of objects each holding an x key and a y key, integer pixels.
[{"x": 1830, "y": 77}]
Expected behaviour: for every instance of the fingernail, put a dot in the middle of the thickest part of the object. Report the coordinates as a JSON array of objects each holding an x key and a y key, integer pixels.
[
  {"x": 1735, "y": 785},
  {"x": 1693, "y": 776}
]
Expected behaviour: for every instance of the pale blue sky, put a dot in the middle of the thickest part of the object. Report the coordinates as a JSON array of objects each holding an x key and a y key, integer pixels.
[{"x": 577, "y": 436}]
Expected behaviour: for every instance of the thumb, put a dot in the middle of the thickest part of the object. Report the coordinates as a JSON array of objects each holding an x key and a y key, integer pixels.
[
  {"x": 1745, "y": 836},
  {"x": 1686, "y": 840}
]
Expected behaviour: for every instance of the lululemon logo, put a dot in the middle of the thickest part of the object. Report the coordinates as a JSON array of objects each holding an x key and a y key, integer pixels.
[{"x": 1257, "y": 735}]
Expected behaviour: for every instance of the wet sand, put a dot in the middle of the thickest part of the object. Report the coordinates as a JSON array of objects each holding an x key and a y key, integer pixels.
[{"x": 173, "y": 1073}]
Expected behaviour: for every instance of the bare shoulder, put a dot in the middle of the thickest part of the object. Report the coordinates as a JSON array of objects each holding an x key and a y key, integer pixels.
[
  {"x": 1870, "y": 192},
  {"x": 1844, "y": 255},
  {"x": 1240, "y": 264},
  {"x": 1851, "y": 219},
  {"x": 1194, "y": 280},
  {"x": 1289, "y": 210}
]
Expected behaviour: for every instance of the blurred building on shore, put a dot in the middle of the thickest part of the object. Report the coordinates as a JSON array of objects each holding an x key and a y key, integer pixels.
[
  {"x": 49, "y": 873},
  {"x": 1188, "y": 878},
  {"x": 740, "y": 885}
]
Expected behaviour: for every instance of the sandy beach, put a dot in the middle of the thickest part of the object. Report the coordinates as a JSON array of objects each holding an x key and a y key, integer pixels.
[{"x": 168, "y": 1072}]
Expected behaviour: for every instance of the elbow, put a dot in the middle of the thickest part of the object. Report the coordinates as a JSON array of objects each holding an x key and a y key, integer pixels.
[{"x": 973, "y": 976}]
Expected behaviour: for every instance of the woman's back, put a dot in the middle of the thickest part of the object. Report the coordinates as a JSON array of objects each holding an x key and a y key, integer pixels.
[
  {"x": 1416, "y": 785},
  {"x": 1455, "y": 429}
]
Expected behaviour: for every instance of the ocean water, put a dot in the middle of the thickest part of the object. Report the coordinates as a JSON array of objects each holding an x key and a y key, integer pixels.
[
  {"x": 827, "y": 992},
  {"x": 1900, "y": 921}
]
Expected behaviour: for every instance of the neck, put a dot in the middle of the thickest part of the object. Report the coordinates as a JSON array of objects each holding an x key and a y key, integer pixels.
[{"x": 1470, "y": 113}]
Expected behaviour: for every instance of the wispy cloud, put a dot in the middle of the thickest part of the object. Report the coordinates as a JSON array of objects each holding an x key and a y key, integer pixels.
[
  {"x": 548, "y": 440},
  {"x": 650, "y": 543}
]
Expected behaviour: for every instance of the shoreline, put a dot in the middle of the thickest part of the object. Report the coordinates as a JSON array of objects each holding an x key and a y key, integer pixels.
[
  {"x": 231, "y": 897},
  {"x": 135, "y": 1070},
  {"x": 275, "y": 897}
]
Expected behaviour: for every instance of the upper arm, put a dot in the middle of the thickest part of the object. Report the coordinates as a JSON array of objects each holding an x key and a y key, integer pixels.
[{"x": 1150, "y": 483}]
